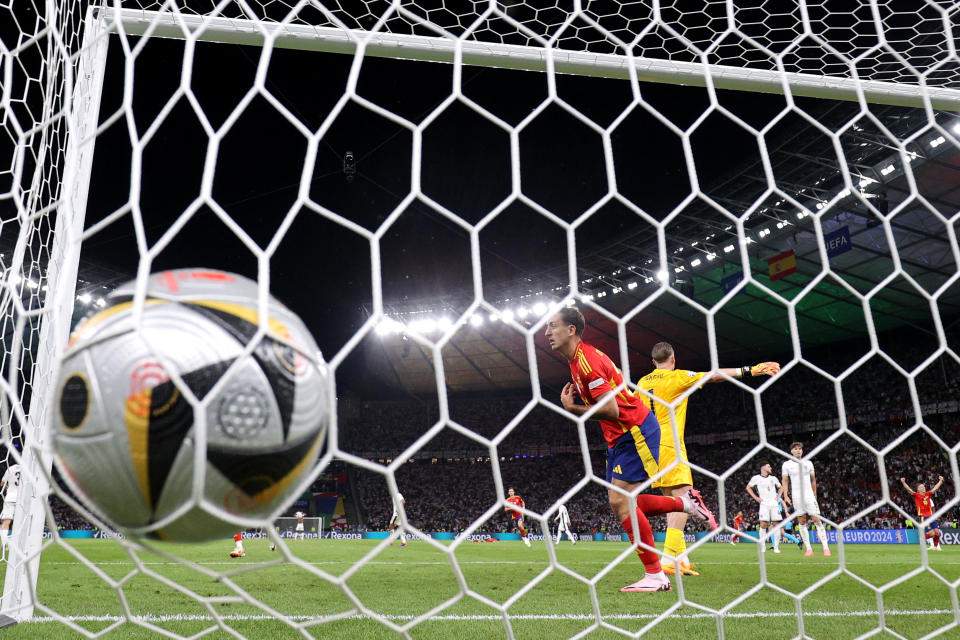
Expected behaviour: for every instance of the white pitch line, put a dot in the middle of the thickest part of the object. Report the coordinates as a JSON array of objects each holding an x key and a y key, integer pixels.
[
  {"x": 444, "y": 562},
  {"x": 491, "y": 617}
]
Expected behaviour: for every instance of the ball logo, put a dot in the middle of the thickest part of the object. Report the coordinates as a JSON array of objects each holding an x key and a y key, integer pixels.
[
  {"x": 147, "y": 375},
  {"x": 171, "y": 279},
  {"x": 144, "y": 378}
]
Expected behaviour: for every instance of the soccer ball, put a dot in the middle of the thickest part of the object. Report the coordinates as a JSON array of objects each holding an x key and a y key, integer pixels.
[{"x": 144, "y": 404}]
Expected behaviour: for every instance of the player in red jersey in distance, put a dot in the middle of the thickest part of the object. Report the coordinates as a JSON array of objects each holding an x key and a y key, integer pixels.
[
  {"x": 922, "y": 498},
  {"x": 238, "y": 551},
  {"x": 632, "y": 434},
  {"x": 738, "y": 526},
  {"x": 514, "y": 503}
]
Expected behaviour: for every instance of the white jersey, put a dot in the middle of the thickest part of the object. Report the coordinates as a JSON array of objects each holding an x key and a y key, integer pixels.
[
  {"x": 563, "y": 517},
  {"x": 299, "y": 515},
  {"x": 800, "y": 473},
  {"x": 397, "y": 501},
  {"x": 11, "y": 483},
  {"x": 767, "y": 488}
]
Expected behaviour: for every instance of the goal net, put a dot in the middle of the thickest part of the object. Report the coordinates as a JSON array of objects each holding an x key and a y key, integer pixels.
[{"x": 426, "y": 184}]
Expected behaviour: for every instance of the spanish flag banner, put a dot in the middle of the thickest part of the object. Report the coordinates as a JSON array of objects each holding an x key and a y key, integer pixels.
[{"x": 782, "y": 265}]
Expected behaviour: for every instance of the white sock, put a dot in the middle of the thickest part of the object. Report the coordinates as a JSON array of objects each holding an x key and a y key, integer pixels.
[
  {"x": 822, "y": 532},
  {"x": 775, "y": 539},
  {"x": 403, "y": 536},
  {"x": 805, "y": 535}
]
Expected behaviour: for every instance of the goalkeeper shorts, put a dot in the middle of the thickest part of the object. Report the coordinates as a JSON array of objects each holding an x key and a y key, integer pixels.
[{"x": 679, "y": 475}]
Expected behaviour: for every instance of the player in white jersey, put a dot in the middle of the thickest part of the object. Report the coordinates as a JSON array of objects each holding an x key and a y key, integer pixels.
[
  {"x": 398, "y": 502},
  {"x": 768, "y": 488},
  {"x": 298, "y": 532},
  {"x": 10, "y": 488},
  {"x": 563, "y": 524},
  {"x": 800, "y": 474}
]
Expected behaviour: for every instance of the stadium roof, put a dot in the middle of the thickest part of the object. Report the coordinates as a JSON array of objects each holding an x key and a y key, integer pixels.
[
  {"x": 752, "y": 323},
  {"x": 321, "y": 269}
]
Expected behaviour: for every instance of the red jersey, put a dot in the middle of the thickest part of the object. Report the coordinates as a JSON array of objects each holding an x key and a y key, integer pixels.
[
  {"x": 237, "y": 537},
  {"x": 594, "y": 374},
  {"x": 517, "y": 500},
  {"x": 924, "y": 504},
  {"x": 738, "y": 521}
]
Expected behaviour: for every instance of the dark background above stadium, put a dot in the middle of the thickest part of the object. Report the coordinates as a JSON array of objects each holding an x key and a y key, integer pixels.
[{"x": 322, "y": 270}]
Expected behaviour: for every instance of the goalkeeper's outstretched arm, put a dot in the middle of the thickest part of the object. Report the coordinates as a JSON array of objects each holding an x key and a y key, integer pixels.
[
  {"x": 903, "y": 481},
  {"x": 762, "y": 369}
]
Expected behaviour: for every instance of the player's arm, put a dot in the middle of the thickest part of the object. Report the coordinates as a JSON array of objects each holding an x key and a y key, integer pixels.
[
  {"x": 762, "y": 369},
  {"x": 752, "y": 494},
  {"x": 937, "y": 486},
  {"x": 784, "y": 485},
  {"x": 813, "y": 484},
  {"x": 607, "y": 411},
  {"x": 903, "y": 481}
]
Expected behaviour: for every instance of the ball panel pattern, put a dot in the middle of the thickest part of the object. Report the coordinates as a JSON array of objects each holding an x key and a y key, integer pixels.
[{"x": 265, "y": 423}]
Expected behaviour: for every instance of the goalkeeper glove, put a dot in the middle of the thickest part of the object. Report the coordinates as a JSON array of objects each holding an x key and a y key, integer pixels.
[{"x": 764, "y": 369}]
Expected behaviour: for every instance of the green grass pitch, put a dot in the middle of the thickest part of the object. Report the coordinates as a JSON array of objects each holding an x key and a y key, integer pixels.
[{"x": 400, "y": 583}]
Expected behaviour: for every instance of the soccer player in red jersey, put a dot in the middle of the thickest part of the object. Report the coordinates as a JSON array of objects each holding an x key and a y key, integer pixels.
[
  {"x": 633, "y": 440},
  {"x": 238, "y": 551},
  {"x": 921, "y": 497},
  {"x": 738, "y": 525},
  {"x": 517, "y": 501}
]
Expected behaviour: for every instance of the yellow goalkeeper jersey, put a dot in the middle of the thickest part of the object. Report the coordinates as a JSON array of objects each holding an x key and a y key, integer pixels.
[{"x": 668, "y": 385}]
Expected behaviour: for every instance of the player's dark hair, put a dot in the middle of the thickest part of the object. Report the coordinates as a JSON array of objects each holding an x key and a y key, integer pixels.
[
  {"x": 511, "y": 489},
  {"x": 766, "y": 462},
  {"x": 661, "y": 352},
  {"x": 572, "y": 316},
  {"x": 795, "y": 444}
]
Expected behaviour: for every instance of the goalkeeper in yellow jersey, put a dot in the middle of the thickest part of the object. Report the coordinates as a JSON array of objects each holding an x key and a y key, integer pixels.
[{"x": 667, "y": 383}]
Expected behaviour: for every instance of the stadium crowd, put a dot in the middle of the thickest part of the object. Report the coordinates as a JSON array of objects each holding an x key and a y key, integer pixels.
[
  {"x": 450, "y": 482},
  {"x": 450, "y": 495}
]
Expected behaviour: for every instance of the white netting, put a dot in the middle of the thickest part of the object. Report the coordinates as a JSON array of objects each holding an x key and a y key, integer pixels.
[{"x": 195, "y": 134}]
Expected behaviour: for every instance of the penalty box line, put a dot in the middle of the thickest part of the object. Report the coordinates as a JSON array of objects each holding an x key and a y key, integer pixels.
[{"x": 499, "y": 618}]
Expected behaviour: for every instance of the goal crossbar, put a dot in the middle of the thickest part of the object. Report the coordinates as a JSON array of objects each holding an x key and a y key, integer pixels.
[{"x": 524, "y": 57}]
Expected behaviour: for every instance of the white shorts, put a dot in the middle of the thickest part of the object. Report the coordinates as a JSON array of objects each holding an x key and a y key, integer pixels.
[
  {"x": 769, "y": 512},
  {"x": 808, "y": 507},
  {"x": 299, "y": 528},
  {"x": 395, "y": 518},
  {"x": 562, "y": 526},
  {"x": 8, "y": 509}
]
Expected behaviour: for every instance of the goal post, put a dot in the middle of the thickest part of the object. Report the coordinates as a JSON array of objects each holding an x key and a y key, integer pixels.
[
  {"x": 286, "y": 527},
  {"x": 71, "y": 104},
  {"x": 304, "y": 37}
]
